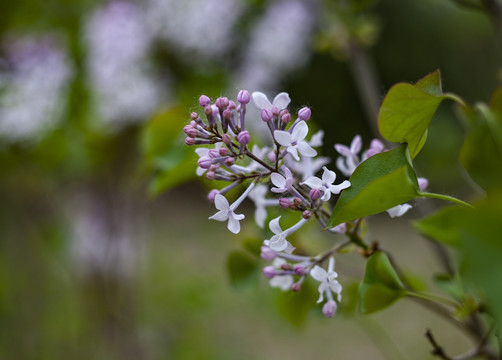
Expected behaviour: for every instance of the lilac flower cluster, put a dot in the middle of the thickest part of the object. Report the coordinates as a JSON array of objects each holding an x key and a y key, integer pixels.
[{"x": 279, "y": 176}]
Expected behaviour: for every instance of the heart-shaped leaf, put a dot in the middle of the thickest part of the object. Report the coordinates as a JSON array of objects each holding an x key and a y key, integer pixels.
[{"x": 440, "y": 226}]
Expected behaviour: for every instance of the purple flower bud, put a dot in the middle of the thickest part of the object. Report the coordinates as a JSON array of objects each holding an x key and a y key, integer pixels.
[
  {"x": 204, "y": 101},
  {"x": 227, "y": 114},
  {"x": 210, "y": 175},
  {"x": 296, "y": 287},
  {"x": 286, "y": 118},
  {"x": 271, "y": 156},
  {"x": 297, "y": 201},
  {"x": 231, "y": 105},
  {"x": 243, "y": 97},
  {"x": 219, "y": 103},
  {"x": 304, "y": 113},
  {"x": 225, "y": 102},
  {"x": 212, "y": 194},
  {"x": 299, "y": 270},
  {"x": 229, "y": 161},
  {"x": 423, "y": 183},
  {"x": 307, "y": 214},
  {"x": 267, "y": 253},
  {"x": 275, "y": 111},
  {"x": 244, "y": 138},
  {"x": 193, "y": 124},
  {"x": 213, "y": 153},
  {"x": 285, "y": 203},
  {"x": 286, "y": 267},
  {"x": 190, "y": 141},
  {"x": 329, "y": 309},
  {"x": 227, "y": 139},
  {"x": 238, "y": 108},
  {"x": 315, "y": 194},
  {"x": 205, "y": 162},
  {"x": 269, "y": 271},
  {"x": 223, "y": 151},
  {"x": 208, "y": 110},
  {"x": 194, "y": 116},
  {"x": 283, "y": 112},
  {"x": 266, "y": 115},
  {"x": 190, "y": 131},
  {"x": 214, "y": 167}
]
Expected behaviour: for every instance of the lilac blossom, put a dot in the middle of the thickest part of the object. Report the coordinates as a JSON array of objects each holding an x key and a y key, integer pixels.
[
  {"x": 278, "y": 242},
  {"x": 281, "y": 281},
  {"x": 261, "y": 203},
  {"x": 295, "y": 142},
  {"x": 33, "y": 88},
  {"x": 350, "y": 159},
  {"x": 327, "y": 279},
  {"x": 325, "y": 185},
  {"x": 282, "y": 183},
  {"x": 281, "y": 101}
]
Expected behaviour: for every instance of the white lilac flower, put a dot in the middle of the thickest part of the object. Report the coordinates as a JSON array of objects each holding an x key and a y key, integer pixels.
[
  {"x": 199, "y": 30},
  {"x": 226, "y": 211},
  {"x": 308, "y": 166},
  {"x": 327, "y": 279},
  {"x": 339, "y": 229},
  {"x": 279, "y": 44},
  {"x": 125, "y": 89},
  {"x": 295, "y": 141},
  {"x": 400, "y": 210},
  {"x": 282, "y": 183},
  {"x": 33, "y": 88},
  {"x": 325, "y": 185},
  {"x": 349, "y": 160},
  {"x": 283, "y": 282},
  {"x": 278, "y": 242},
  {"x": 281, "y": 101}
]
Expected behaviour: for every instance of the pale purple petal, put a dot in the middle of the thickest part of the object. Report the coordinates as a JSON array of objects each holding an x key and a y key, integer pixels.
[
  {"x": 283, "y": 282},
  {"x": 355, "y": 145},
  {"x": 278, "y": 180},
  {"x": 313, "y": 182},
  {"x": 316, "y": 139},
  {"x": 220, "y": 216},
  {"x": 221, "y": 202},
  {"x": 294, "y": 152},
  {"x": 423, "y": 183},
  {"x": 326, "y": 195},
  {"x": 278, "y": 243},
  {"x": 336, "y": 189},
  {"x": 260, "y": 215},
  {"x": 318, "y": 273},
  {"x": 300, "y": 131},
  {"x": 343, "y": 150},
  {"x": 261, "y": 100},
  {"x": 234, "y": 225},
  {"x": 284, "y": 138},
  {"x": 281, "y": 101},
  {"x": 274, "y": 226},
  {"x": 341, "y": 165},
  {"x": 328, "y": 176},
  {"x": 305, "y": 149},
  {"x": 322, "y": 288},
  {"x": 398, "y": 210}
]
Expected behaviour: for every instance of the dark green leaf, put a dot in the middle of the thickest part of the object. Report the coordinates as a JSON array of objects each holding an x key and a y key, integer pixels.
[
  {"x": 253, "y": 245},
  {"x": 241, "y": 268},
  {"x": 381, "y": 285},
  {"x": 381, "y": 182}
]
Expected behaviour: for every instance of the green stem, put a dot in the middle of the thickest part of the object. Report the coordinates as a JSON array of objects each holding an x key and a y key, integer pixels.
[
  {"x": 433, "y": 298},
  {"x": 447, "y": 198}
]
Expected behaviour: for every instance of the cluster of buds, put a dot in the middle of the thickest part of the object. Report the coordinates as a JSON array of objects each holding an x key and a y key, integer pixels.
[{"x": 281, "y": 175}]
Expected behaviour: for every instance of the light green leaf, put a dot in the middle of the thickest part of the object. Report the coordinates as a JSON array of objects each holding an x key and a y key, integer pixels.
[
  {"x": 440, "y": 226},
  {"x": 407, "y": 111},
  {"x": 241, "y": 268},
  {"x": 381, "y": 285},
  {"x": 379, "y": 183}
]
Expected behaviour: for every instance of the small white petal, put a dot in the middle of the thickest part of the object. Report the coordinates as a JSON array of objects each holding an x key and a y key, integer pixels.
[
  {"x": 221, "y": 202},
  {"x": 328, "y": 176},
  {"x": 300, "y": 131},
  {"x": 281, "y": 101},
  {"x": 234, "y": 225},
  {"x": 318, "y": 273},
  {"x": 316, "y": 139},
  {"x": 274, "y": 226},
  {"x": 220, "y": 216},
  {"x": 261, "y": 100},
  {"x": 284, "y": 138},
  {"x": 322, "y": 288},
  {"x": 283, "y": 282},
  {"x": 336, "y": 189},
  {"x": 398, "y": 210},
  {"x": 313, "y": 182},
  {"x": 306, "y": 149},
  {"x": 356, "y": 144},
  {"x": 326, "y": 195},
  {"x": 200, "y": 171},
  {"x": 294, "y": 152},
  {"x": 343, "y": 150},
  {"x": 278, "y": 180},
  {"x": 341, "y": 165},
  {"x": 289, "y": 249},
  {"x": 278, "y": 243},
  {"x": 260, "y": 215}
]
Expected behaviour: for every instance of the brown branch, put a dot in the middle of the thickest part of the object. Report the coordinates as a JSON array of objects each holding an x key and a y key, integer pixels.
[{"x": 437, "y": 350}]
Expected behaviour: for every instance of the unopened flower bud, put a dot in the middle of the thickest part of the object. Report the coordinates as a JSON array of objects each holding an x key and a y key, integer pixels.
[
  {"x": 304, "y": 113},
  {"x": 271, "y": 156},
  {"x": 275, "y": 111},
  {"x": 307, "y": 214},
  {"x": 211, "y": 175},
  {"x": 243, "y": 97},
  {"x": 244, "y": 138},
  {"x": 204, "y": 101},
  {"x": 267, "y": 253},
  {"x": 194, "y": 116},
  {"x": 214, "y": 153},
  {"x": 423, "y": 183},
  {"x": 329, "y": 309},
  {"x": 193, "y": 124},
  {"x": 208, "y": 110},
  {"x": 190, "y": 131},
  {"x": 297, "y": 201},
  {"x": 286, "y": 118},
  {"x": 285, "y": 203},
  {"x": 315, "y": 194},
  {"x": 231, "y": 105},
  {"x": 190, "y": 141},
  {"x": 286, "y": 267},
  {"x": 266, "y": 115},
  {"x": 269, "y": 271},
  {"x": 299, "y": 270},
  {"x": 219, "y": 103},
  {"x": 205, "y": 162},
  {"x": 214, "y": 167},
  {"x": 296, "y": 287},
  {"x": 212, "y": 194},
  {"x": 226, "y": 138},
  {"x": 223, "y": 151},
  {"x": 229, "y": 161},
  {"x": 283, "y": 112},
  {"x": 227, "y": 114}
]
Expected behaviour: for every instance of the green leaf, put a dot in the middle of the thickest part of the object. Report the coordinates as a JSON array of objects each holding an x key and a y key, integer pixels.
[
  {"x": 253, "y": 245},
  {"x": 379, "y": 183},
  {"x": 440, "y": 226},
  {"x": 407, "y": 111},
  {"x": 241, "y": 268},
  {"x": 295, "y": 306},
  {"x": 381, "y": 285}
]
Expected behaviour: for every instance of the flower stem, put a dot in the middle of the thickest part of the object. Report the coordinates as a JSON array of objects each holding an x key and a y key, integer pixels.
[{"x": 433, "y": 298}]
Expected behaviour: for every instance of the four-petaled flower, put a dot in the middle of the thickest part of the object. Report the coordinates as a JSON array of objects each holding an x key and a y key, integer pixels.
[
  {"x": 326, "y": 184},
  {"x": 282, "y": 282},
  {"x": 278, "y": 242},
  {"x": 295, "y": 141},
  {"x": 227, "y": 213},
  {"x": 281, "y": 101},
  {"x": 327, "y": 280},
  {"x": 282, "y": 183}
]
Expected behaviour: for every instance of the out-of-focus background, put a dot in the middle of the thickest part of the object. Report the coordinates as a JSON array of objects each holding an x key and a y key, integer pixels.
[{"x": 105, "y": 247}]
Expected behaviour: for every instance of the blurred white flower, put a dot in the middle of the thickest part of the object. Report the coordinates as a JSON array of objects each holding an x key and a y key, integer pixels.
[
  {"x": 33, "y": 88},
  {"x": 124, "y": 87}
]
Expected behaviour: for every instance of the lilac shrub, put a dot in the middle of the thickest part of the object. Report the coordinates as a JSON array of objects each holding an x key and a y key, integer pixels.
[{"x": 282, "y": 175}]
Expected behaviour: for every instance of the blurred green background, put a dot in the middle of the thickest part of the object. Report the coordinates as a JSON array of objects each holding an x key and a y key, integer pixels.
[{"x": 100, "y": 259}]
